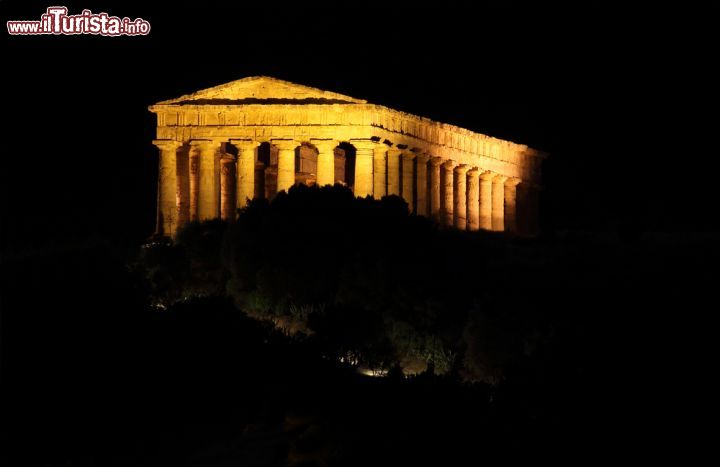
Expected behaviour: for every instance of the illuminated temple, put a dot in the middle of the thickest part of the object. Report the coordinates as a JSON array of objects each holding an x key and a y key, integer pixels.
[{"x": 255, "y": 137}]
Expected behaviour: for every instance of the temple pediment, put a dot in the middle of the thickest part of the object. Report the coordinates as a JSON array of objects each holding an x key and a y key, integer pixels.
[{"x": 261, "y": 90}]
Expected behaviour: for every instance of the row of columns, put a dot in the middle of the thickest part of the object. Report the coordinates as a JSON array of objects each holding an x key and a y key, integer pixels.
[
  {"x": 458, "y": 195},
  {"x": 466, "y": 191}
]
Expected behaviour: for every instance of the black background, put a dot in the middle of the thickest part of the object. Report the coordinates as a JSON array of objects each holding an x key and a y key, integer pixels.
[
  {"x": 624, "y": 101},
  {"x": 609, "y": 93}
]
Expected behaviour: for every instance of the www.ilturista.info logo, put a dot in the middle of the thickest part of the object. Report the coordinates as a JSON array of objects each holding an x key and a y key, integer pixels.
[{"x": 56, "y": 21}]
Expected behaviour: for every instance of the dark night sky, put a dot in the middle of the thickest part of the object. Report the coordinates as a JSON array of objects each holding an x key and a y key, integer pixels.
[{"x": 595, "y": 88}]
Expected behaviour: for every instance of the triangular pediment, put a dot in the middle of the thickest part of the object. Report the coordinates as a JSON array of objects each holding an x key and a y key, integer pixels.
[{"x": 259, "y": 90}]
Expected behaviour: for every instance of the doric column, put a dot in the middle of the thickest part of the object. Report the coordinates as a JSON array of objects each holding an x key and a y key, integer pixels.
[
  {"x": 498, "y": 203},
  {"x": 167, "y": 187},
  {"x": 183, "y": 181},
  {"x": 446, "y": 189},
  {"x": 511, "y": 205},
  {"x": 380, "y": 170},
  {"x": 460, "y": 197},
  {"x": 286, "y": 163},
  {"x": 393, "y": 171},
  {"x": 325, "y": 161},
  {"x": 473, "y": 199},
  {"x": 228, "y": 205},
  {"x": 194, "y": 161},
  {"x": 421, "y": 184},
  {"x": 245, "y": 178},
  {"x": 208, "y": 183},
  {"x": 363, "y": 185},
  {"x": 435, "y": 163},
  {"x": 408, "y": 178},
  {"x": 486, "y": 200}
]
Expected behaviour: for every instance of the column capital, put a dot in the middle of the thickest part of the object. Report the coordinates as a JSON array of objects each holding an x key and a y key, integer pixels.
[
  {"x": 487, "y": 175},
  {"x": 449, "y": 164},
  {"x": 512, "y": 181},
  {"x": 422, "y": 157},
  {"x": 204, "y": 143},
  {"x": 394, "y": 151},
  {"x": 167, "y": 144},
  {"x": 324, "y": 145},
  {"x": 285, "y": 144},
  {"x": 366, "y": 144},
  {"x": 473, "y": 172},
  {"x": 408, "y": 156},
  {"x": 436, "y": 161},
  {"x": 499, "y": 179},
  {"x": 462, "y": 169},
  {"x": 245, "y": 144}
]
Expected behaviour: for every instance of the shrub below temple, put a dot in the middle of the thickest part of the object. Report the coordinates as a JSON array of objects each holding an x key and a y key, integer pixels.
[{"x": 362, "y": 278}]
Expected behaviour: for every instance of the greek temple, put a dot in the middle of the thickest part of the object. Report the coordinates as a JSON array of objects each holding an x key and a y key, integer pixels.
[{"x": 252, "y": 138}]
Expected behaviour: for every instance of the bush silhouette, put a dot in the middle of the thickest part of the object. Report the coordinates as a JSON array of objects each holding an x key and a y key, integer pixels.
[{"x": 368, "y": 281}]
